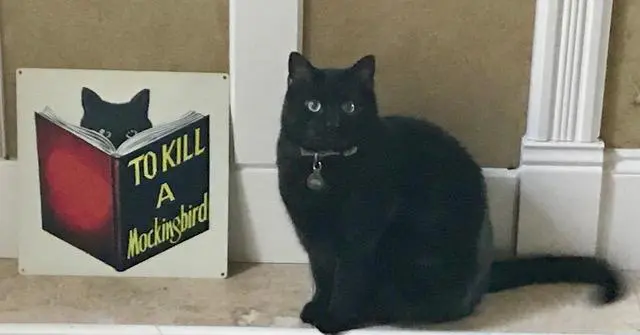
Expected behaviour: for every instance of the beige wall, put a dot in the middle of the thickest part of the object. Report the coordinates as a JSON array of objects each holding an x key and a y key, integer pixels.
[
  {"x": 463, "y": 64},
  {"x": 621, "y": 115},
  {"x": 174, "y": 35}
]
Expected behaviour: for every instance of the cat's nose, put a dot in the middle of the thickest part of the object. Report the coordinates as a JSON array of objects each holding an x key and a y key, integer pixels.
[{"x": 332, "y": 122}]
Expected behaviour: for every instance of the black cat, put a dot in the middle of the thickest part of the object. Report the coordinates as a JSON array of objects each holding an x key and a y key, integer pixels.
[
  {"x": 116, "y": 121},
  {"x": 392, "y": 211}
]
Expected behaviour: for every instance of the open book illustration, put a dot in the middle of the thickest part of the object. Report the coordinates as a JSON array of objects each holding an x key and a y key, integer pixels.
[
  {"x": 100, "y": 141},
  {"x": 125, "y": 203}
]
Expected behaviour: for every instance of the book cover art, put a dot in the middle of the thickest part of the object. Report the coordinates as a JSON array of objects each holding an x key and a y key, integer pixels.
[
  {"x": 123, "y": 173},
  {"x": 118, "y": 187},
  {"x": 163, "y": 193}
]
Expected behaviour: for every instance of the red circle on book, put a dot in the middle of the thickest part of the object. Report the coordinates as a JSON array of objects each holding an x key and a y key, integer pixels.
[{"x": 79, "y": 194}]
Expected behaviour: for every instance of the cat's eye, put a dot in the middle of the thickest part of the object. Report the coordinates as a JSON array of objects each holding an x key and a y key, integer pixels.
[
  {"x": 105, "y": 133},
  {"x": 131, "y": 133},
  {"x": 313, "y": 105},
  {"x": 349, "y": 107}
]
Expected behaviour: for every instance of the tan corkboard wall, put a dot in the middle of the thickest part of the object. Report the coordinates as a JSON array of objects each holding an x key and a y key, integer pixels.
[
  {"x": 621, "y": 116},
  {"x": 169, "y": 35},
  {"x": 463, "y": 64}
]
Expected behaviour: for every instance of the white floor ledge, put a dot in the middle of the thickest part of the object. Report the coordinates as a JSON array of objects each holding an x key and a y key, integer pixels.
[{"x": 89, "y": 329}]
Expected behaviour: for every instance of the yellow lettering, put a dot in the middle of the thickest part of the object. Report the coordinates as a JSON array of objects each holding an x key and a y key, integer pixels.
[
  {"x": 172, "y": 154},
  {"x": 133, "y": 249},
  {"x": 150, "y": 165},
  {"x": 198, "y": 149},
  {"x": 136, "y": 168},
  {"x": 178, "y": 150},
  {"x": 164, "y": 194},
  {"x": 144, "y": 242},
  {"x": 145, "y": 165},
  {"x": 167, "y": 159},
  {"x": 168, "y": 230},
  {"x": 203, "y": 208},
  {"x": 185, "y": 148},
  {"x": 176, "y": 233}
]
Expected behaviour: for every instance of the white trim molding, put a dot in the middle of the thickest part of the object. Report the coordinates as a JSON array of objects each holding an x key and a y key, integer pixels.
[
  {"x": 619, "y": 229},
  {"x": 261, "y": 231},
  {"x": 261, "y": 36},
  {"x": 562, "y": 156},
  {"x": 9, "y": 224}
]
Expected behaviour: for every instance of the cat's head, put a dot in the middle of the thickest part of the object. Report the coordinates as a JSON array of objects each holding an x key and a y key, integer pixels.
[
  {"x": 329, "y": 108},
  {"x": 116, "y": 121}
]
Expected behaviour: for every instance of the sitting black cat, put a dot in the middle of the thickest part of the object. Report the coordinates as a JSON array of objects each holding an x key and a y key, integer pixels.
[
  {"x": 392, "y": 211},
  {"x": 116, "y": 121}
]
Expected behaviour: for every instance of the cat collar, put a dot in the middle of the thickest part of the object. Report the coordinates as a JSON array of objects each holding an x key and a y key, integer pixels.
[
  {"x": 320, "y": 154},
  {"x": 315, "y": 181}
]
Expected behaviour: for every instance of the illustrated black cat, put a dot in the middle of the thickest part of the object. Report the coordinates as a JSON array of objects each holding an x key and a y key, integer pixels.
[
  {"x": 116, "y": 121},
  {"x": 392, "y": 211}
]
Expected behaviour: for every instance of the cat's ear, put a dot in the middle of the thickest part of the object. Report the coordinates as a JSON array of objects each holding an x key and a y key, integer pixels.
[
  {"x": 89, "y": 97},
  {"x": 364, "y": 69},
  {"x": 299, "y": 68},
  {"x": 141, "y": 100}
]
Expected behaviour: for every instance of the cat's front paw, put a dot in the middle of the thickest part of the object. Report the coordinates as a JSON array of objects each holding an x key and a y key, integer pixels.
[
  {"x": 328, "y": 324},
  {"x": 311, "y": 312}
]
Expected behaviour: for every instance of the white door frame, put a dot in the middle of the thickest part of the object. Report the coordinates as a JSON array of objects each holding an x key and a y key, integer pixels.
[
  {"x": 261, "y": 36},
  {"x": 561, "y": 166},
  {"x": 561, "y": 152}
]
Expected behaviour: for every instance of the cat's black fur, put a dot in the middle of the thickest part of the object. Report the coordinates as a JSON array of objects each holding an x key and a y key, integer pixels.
[
  {"x": 117, "y": 121},
  {"x": 400, "y": 233}
]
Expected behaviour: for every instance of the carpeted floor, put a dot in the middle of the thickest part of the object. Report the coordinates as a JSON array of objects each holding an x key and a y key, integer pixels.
[{"x": 272, "y": 294}]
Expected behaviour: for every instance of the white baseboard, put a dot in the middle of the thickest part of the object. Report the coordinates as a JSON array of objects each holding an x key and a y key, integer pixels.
[
  {"x": 598, "y": 208},
  {"x": 260, "y": 230},
  {"x": 9, "y": 225},
  {"x": 559, "y": 199},
  {"x": 620, "y": 217}
]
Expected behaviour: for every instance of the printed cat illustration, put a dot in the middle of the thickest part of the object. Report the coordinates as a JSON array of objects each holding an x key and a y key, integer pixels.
[{"x": 116, "y": 121}]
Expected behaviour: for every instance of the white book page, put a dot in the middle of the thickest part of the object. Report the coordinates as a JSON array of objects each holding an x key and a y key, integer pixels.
[
  {"x": 150, "y": 135},
  {"x": 91, "y": 136},
  {"x": 135, "y": 142}
]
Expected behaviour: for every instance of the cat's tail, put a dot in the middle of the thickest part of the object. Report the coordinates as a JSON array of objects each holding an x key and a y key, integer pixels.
[{"x": 523, "y": 271}]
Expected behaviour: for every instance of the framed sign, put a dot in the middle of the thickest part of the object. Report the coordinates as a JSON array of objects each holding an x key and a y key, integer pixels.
[{"x": 123, "y": 173}]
